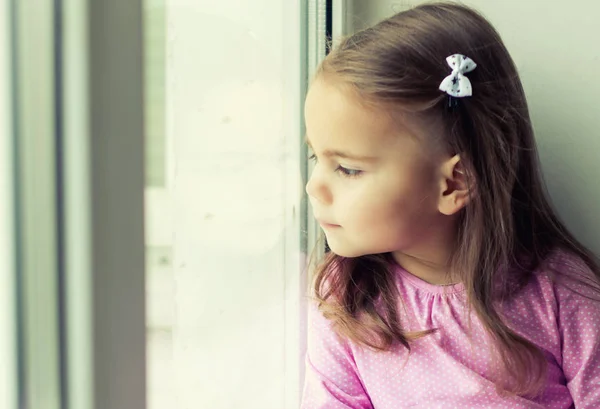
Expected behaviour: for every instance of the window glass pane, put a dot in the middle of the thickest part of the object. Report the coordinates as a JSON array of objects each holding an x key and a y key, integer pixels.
[{"x": 223, "y": 214}]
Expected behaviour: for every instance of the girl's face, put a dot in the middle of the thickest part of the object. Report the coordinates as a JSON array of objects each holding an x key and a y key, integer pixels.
[{"x": 375, "y": 188}]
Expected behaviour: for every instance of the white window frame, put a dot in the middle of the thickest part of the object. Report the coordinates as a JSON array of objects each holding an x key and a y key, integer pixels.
[
  {"x": 8, "y": 322},
  {"x": 104, "y": 171}
]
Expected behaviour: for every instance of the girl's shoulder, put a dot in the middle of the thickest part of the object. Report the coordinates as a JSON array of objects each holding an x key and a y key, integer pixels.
[
  {"x": 570, "y": 273},
  {"x": 565, "y": 262},
  {"x": 560, "y": 301},
  {"x": 562, "y": 282}
]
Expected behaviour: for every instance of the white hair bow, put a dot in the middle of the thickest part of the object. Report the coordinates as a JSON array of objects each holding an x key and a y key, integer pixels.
[{"x": 456, "y": 84}]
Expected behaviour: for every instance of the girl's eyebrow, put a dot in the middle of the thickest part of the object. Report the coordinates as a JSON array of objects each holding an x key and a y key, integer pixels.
[{"x": 341, "y": 154}]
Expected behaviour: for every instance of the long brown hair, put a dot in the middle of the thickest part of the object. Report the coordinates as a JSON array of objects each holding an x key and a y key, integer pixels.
[{"x": 399, "y": 63}]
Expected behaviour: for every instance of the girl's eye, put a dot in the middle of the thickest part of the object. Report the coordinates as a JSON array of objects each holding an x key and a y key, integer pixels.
[{"x": 351, "y": 173}]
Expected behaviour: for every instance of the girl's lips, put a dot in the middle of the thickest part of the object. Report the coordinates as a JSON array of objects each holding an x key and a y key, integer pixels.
[{"x": 328, "y": 225}]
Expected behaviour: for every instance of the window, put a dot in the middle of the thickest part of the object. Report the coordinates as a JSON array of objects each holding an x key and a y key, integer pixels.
[{"x": 221, "y": 219}]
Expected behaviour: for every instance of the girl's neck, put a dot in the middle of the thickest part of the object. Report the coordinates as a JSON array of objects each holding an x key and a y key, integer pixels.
[
  {"x": 426, "y": 270},
  {"x": 430, "y": 261}
]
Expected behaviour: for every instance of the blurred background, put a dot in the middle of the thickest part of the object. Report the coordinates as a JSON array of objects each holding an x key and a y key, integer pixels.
[{"x": 154, "y": 230}]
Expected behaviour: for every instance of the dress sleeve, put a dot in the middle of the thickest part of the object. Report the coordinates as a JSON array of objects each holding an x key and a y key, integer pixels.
[
  {"x": 332, "y": 380},
  {"x": 579, "y": 326}
]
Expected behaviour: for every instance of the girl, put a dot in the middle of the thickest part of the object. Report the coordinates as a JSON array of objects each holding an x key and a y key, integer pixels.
[{"x": 451, "y": 281}]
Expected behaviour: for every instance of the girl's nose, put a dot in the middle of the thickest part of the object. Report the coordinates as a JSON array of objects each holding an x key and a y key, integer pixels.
[{"x": 317, "y": 189}]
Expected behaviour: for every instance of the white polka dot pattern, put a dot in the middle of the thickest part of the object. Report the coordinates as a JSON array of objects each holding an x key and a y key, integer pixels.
[{"x": 452, "y": 367}]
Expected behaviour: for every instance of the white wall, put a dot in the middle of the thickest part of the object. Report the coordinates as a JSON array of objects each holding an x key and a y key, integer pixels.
[{"x": 557, "y": 51}]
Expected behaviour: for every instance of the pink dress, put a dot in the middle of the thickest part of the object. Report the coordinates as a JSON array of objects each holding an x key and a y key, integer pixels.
[{"x": 451, "y": 368}]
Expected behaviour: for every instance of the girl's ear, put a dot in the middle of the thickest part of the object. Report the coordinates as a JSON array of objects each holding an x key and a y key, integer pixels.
[{"x": 455, "y": 191}]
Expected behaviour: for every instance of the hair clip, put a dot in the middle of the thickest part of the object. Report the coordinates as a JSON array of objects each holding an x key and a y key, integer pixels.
[
  {"x": 452, "y": 103},
  {"x": 456, "y": 84}
]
